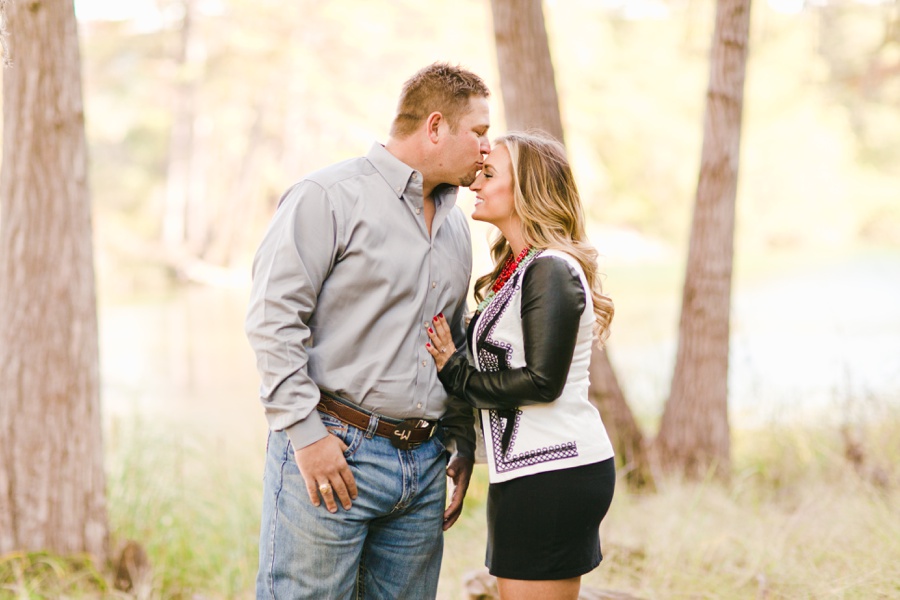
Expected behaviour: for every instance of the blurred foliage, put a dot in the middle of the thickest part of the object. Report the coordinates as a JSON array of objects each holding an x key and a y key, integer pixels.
[
  {"x": 634, "y": 98},
  {"x": 279, "y": 89}
]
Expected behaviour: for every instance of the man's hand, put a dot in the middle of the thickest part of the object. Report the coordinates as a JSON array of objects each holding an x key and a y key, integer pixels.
[
  {"x": 460, "y": 471},
  {"x": 326, "y": 472}
]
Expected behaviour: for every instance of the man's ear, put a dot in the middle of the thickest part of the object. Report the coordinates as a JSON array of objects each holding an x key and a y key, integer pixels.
[{"x": 433, "y": 126}]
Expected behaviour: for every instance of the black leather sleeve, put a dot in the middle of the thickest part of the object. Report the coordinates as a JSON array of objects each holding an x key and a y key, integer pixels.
[{"x": 553, "y": 300}]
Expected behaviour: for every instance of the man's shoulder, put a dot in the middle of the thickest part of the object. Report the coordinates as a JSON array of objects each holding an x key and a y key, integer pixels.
[{"x": 328, "y": 177}]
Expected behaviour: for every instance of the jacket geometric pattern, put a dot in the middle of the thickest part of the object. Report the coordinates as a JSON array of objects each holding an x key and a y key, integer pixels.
[{"x": 538, "y": 436}]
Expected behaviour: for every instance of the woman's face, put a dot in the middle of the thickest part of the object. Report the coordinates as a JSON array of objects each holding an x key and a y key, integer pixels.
[{"x": 494, "y": 190}]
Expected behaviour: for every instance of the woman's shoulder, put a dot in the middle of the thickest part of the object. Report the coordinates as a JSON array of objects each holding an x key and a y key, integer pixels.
[
  {"x": 554, "y": 278},
  {"x": 554, "y": 270},
  {"x": 559, "y": 261}
]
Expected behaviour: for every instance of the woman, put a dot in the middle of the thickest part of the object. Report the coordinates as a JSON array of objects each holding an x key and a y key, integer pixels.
[{"x": 549, "y": 457}]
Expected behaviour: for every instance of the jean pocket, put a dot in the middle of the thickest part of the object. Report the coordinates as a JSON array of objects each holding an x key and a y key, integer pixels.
[
  {"x": 439, "y": 440},
  {"x": 350, "y": 435}
]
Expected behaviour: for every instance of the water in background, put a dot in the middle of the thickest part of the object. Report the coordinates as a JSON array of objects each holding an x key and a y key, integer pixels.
[{"x": 807, "y": 343}]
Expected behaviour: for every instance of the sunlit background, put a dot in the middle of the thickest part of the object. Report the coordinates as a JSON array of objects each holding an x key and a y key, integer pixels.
[
  {"x": 200, "y": 113},
  {"x": 210, "y": 113}
]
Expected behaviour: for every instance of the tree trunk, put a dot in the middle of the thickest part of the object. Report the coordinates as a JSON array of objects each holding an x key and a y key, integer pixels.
[
  {"x": 694, "y": 435},
  {"x": 183, "y": 221},
  {"x": 530, "y": 102},
  {"x": 227, "y": 238},
  {"x": 526, "y": 71},
  {"x": 627, "y": 438},
  {"x": 52, "y": 488}
]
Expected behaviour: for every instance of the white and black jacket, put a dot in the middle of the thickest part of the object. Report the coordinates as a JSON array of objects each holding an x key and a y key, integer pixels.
[{"x": 527, "y": 372}]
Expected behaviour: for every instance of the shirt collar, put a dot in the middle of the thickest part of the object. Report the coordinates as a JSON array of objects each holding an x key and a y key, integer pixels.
[
  {"x": 394, "y": 171},
  {"x": 398, "y": 175}
]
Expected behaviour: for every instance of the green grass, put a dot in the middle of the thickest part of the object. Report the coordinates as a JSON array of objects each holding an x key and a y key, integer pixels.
[
  {"x": 797, "y": 520},
  {"x": 38, "y": 575},
  {"x": 193, "y": 505}
]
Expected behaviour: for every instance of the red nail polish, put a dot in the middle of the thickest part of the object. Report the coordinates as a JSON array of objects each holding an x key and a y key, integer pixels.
[
  {"x": 435, "y": 318},
  {"x": 427, "y": 345},
  {"x": 430, "y": 330},
  {"x": 441, "y": 315}
]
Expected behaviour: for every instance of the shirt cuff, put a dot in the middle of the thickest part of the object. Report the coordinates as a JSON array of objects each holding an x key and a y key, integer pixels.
[
  {"x": 306, "y": 432},
  {"x": 465, "y": 447}
]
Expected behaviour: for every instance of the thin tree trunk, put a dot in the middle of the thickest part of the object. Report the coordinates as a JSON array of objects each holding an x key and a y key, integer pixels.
[
  {"x": 694, "y": 436},
  {"x": 530, "y": 102},
  {"x": 227, "y": 238},
  {"x": 526, "y": 70},
  {"x": 624, "y": 432},
  {"x": 178, "y": 230},
  {"x": 52, "y": 487}
]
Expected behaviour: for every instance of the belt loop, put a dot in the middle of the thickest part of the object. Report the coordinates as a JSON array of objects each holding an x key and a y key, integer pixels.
[{"x": 373, "y": 425}]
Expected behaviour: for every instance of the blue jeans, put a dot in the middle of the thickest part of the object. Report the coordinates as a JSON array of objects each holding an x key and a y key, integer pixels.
[{"x": 387, "y": 546}]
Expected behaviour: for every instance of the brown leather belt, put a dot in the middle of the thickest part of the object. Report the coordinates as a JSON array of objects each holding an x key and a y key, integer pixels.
[{"x": 404, "y": 435}]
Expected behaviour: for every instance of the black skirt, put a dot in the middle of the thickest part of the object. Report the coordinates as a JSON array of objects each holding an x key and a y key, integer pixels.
[{"x": 545, "y": 526}]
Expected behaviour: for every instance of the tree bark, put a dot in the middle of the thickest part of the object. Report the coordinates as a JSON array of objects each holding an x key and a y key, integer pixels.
[
  {"x": 694, "y": 436},
  {"x": 184, "y": 219},
  {"x": 624, "y": 432},
  {"x": 227, "y": 238},
  {"x": 530, "y": 102},
  {"x": 526, "y": 70},
  {"x": 52, "y": 486}
]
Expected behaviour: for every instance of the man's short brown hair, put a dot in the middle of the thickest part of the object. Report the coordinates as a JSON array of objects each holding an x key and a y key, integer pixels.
[{"x": 439, "y": 87}]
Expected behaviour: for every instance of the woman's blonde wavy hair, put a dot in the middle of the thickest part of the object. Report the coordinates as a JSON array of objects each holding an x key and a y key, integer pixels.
[{"x": 546, "y": 200}]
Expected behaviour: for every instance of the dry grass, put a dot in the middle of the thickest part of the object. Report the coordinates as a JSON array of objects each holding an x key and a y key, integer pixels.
[
  {"x": 798, "y": 520},
  {"x": 807, "y": 514}
]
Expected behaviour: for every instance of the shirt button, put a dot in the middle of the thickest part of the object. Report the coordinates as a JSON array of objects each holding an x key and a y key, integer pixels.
[
  {"x": 415, "y": 176},
  {"x": 424, "y": 363},
  {"x": 418, "y": 210},
  {"x": 433, "y": 284},
  {"x": 399, "y": 189},
  {"x": 425, "y": 323},
  {"x": 419, "y": 405}
]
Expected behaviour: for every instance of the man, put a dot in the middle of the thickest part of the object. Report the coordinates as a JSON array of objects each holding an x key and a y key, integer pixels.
[{"x": 358, "y": 260}]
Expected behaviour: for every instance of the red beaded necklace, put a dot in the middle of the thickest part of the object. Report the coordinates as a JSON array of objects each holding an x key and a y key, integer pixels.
[{"x": 509, "y": 268}]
